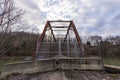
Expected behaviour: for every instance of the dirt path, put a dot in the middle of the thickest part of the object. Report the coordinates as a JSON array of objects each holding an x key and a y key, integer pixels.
[{"x": 66, "y": 75}]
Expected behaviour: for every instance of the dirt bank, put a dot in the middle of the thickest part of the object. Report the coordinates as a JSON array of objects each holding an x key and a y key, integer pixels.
[{"x": 65, "y": 75}]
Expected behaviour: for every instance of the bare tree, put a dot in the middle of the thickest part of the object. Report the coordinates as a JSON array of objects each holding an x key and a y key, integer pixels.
[{"x": 9, "y": 17}]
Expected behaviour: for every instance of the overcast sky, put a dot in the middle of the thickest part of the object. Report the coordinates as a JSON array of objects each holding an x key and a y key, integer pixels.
[{"x": 92, "y": 17}]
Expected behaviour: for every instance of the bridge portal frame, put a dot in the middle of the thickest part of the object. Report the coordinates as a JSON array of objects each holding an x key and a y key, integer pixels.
[{"x": 48, "y": 25}]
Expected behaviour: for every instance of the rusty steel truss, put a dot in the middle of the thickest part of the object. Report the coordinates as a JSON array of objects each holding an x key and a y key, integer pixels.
[{"x": 66, "y": 27}]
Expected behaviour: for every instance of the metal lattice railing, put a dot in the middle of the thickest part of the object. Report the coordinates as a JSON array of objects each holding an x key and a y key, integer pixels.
[{"x": 52, "y": 49}]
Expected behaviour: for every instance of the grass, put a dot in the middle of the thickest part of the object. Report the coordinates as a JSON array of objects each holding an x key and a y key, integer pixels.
[
  {"x": 108, "y": 61},
  {"x": 2, "y": 62},
  {"x": 12, "y": 60},
  {"x": 15, "y": 60},
  {"x": 112, "y": 61}
]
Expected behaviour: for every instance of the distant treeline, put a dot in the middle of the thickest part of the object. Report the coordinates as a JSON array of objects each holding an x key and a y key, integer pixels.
[
  {"x": 109, "y": 47},
  {"x": 24, "y": 44},
  {"x": 18, "y": 44}
]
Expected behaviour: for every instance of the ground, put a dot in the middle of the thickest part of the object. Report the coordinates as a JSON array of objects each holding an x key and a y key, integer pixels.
[
  {"x": 106, "y": 61},
  {"x": 9, "y": 60},
  {"x": 112, "y": 61},
  {"x": 65, "y": 75}
]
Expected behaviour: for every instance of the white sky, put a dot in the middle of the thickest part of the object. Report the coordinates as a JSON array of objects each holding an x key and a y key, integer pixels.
[{"x": 92, "y": 17}]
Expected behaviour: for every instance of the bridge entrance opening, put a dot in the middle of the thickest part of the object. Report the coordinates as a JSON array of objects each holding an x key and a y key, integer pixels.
[
  {"x": 59, "y": 39},
  {"x": 59, "y": 46}
]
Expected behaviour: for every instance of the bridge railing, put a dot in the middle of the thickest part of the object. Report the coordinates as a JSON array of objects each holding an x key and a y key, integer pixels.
[{"x": 52, "y": 49}]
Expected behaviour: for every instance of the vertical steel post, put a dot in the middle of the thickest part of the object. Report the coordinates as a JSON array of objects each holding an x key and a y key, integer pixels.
[
  {"x": 60, "y": 47},
  {"x": 68, "y": 47}
]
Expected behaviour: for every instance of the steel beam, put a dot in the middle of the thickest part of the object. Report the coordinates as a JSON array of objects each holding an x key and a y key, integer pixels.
[
  {"x": 52, "y": 31},
  {"x": 61, "y": 21},
  {"x": 59, "y": 26},
  {"x": 40, "y": 39},
  {"x": 67, "y": 31},
  {"x": 78, "y": 37}
]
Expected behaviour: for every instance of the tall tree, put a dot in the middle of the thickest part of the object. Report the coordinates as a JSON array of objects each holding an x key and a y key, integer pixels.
[{"x": 9, "y": 18}]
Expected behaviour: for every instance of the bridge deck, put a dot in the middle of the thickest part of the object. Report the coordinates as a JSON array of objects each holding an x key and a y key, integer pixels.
[
  {"x": 83, "y": 58},
  {"x": 48, "y": 64}
]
